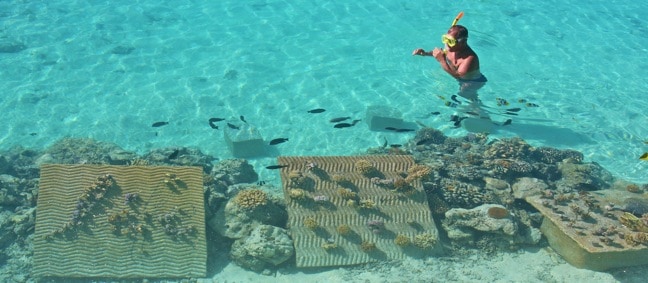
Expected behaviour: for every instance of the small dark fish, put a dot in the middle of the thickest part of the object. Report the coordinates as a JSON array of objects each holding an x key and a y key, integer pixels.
[
  {"x": 532, "y": 105},
  {"x": 342, "y": 125},
  {"x": 454, "y": 98},
  {"x": 501, "y": 101},
  {"x": 159, "y": 124},
  {"x": 272, "y": 167},
  {"x": 404, "y": 130},
  {"x": 522, "y": 100},
  {"x": 395, "y": 145},
  {"x": 231, "y": 126},
  {"x": 513, "y": 110},
  {"x": 278, "y": 141},
  {"x": 243, "y": 119},
  {"x": 385, "y": 143},
  {"x": 174, "y": 155},
  {"x": 451, "y": 104},
  {"x": 423, "y": 141},
  {"x": 261, "y": 183},
  {"x": 435, "y": 113},
  {"x": 391, "y": 128},
  {"x": 33, "y": 134},
  {"x": 211, "y": 123},
  {"x": 510, "y": 113},
  {"x": 214, "y": 120},
  {"x": 339, "y": 119},
  {"x": 454, "y": 118},
  {"x": 507, "y": 122},
  {"x": 644, "y": 156},
  {"x": 317, "y": 110},
  {"x": 457, "y": 121},
  {"x": 472, "y": 113}
]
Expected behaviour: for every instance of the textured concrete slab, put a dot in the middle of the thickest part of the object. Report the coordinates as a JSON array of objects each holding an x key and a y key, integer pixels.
[
  {"x": 325, "y": 193},
  {"x": 587, "y": 234},
  {"x": 95, "y": 221}
]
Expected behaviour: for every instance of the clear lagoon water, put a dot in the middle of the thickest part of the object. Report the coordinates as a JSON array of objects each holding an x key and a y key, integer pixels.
[{"x": 109, "y": 69}]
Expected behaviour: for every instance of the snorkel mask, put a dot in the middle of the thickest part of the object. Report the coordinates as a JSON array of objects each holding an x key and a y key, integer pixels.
[{"x": 448, "y": 39}]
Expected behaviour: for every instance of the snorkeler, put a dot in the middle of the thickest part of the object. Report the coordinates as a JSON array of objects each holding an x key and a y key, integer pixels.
[
  {"x": 458, "y": 60},
  {"x": 462, "y": 63}
]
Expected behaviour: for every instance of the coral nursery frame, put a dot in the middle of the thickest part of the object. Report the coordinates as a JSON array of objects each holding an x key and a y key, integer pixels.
[
  {"x": 100, "y": 221},
  {"x": 404, "y": 215}
]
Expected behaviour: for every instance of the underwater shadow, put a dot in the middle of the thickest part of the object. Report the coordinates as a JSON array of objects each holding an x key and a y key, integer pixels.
[{"x": 546, "y": 134}]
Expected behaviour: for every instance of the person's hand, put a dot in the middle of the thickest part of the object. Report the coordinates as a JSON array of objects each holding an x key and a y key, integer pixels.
[
  {"x": 438, "y": 53},
  {"x": 418, "y": 51}
]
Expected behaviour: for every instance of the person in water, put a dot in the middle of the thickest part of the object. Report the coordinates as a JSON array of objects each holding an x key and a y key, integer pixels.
[{"x": 459, "y": 60}]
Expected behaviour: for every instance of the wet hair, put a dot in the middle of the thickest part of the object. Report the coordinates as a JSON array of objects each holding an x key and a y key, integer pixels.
[{"x": 462, "y": 32}]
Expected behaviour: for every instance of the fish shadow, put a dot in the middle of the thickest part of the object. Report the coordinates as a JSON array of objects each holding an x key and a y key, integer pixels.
[{"x": 556, "y": 136}]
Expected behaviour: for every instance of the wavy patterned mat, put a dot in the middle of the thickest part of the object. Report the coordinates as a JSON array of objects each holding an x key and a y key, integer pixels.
[
  {"x": 405, "y": 214},
  {"x": 148, "y": 224}
]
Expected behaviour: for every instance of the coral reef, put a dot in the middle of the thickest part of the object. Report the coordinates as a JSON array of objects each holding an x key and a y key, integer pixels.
[
  {"x": 329, "y": 245},
  {"x": 463, "y": 223},
  {"x": 365, "y": 168},
  {"x": 311, "y": 223},
  {"x": 429, "y": 136},
  {"x": 251, "y": 198},
  {"x": 347, "y": 193},
  {"x": 367, "y": 246},
  {"x": 344, "y": 229},
  {"x": 635, "y": 223},
  {"x": 179, "y": 156},
  {"x": 296, "y": 194},
  {"x": 235, "y": 221},
  {"x": 234, "y": 171},
  {"x": 418, "y": 172},
  {"x": 589, "y": 176},
  {"x": 86, "y": 151},
  {"x": 425, "y": 240},
  {"x": 296, "y": 177},
  {"x": 553, "y": 155},
  {"x": 402, "y": 240},
  {"x": 469, "y": 180},
  {"x": 367, "y": 204},
  {"x": 340, "y": 178},
  {"x": 266, "y": 246},
  {"x": 497, "y": 212}
]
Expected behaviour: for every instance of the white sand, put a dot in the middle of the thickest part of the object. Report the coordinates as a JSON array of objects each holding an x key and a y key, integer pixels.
[{"x": 529, "y": 265}]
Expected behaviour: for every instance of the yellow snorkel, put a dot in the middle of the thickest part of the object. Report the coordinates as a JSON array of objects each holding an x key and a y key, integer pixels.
[
  {"x": 457, "y": 18},
  {"x": 448, "y": 40}
]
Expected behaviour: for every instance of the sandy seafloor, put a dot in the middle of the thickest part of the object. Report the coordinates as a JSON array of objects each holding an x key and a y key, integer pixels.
[{"x": 524, "y": 265}]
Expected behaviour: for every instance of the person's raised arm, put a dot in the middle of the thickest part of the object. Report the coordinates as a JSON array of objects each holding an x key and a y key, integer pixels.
[{"x": 421, "y": 52}]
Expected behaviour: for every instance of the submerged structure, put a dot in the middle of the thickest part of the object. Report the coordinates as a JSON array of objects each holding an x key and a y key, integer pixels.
[
  {"x": 589, "y": 231},
  {"x": 357, "y": 209},
  {"x": 101, "y": 221}
]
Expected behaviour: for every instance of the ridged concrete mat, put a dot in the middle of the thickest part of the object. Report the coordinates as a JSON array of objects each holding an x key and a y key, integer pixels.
[
  {"x": 149, "y": 224},
  {"x": 408, "y": 215}
]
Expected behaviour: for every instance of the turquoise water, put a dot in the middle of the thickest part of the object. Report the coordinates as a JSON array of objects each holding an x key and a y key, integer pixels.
[{"x": 109, "y": 69}]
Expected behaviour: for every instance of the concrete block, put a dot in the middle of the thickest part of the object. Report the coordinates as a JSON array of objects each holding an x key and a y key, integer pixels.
[
  {"x": 246, "y": 141},
  {"x": 600, "y": 241},
  {"x": 380, "y": 117}
]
